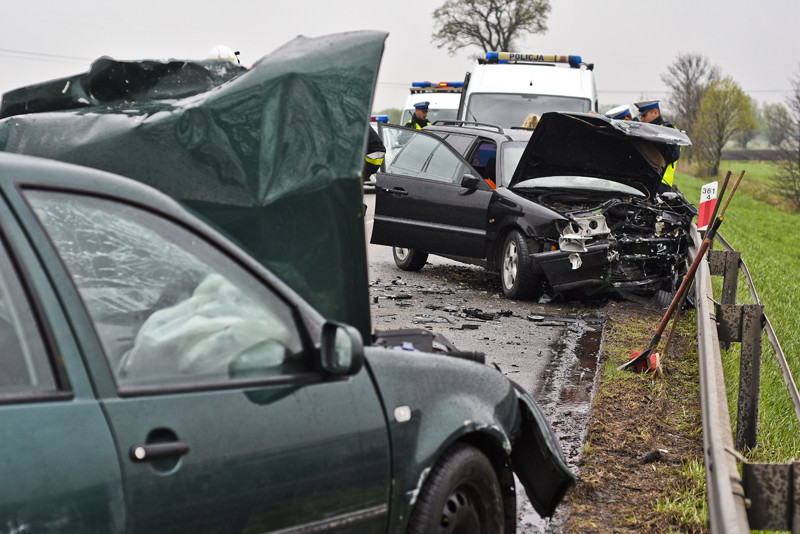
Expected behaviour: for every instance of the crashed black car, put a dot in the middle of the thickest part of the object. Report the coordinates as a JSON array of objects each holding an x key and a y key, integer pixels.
[{"x": 575, "y": 209}]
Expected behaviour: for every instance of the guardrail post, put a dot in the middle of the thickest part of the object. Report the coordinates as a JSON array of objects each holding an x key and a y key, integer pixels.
[
  {"x": 794, "y": 499},
  {"x": 773, "y": 492},
  {"x": 726, "y": 264},
  {"x": 749, "y": 375}
]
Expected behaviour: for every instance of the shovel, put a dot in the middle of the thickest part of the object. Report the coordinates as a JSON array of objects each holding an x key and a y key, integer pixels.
[
  {"x": 644, "y": 358},
  {"x": 683, "y": 299}
]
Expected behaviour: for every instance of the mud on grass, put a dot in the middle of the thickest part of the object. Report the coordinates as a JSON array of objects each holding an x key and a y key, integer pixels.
[{"x": 641, "y": 469}]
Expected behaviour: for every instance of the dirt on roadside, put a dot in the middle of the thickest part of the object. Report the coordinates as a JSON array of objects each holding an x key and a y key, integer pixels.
[{"x": 644, "y": 435}]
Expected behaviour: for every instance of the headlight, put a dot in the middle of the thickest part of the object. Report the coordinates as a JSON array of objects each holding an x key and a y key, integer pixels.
[{"x": 581, "y": 229}]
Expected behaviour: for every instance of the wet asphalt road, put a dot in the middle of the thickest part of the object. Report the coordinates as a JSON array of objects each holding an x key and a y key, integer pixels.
[{"x": 548, "y": 348}]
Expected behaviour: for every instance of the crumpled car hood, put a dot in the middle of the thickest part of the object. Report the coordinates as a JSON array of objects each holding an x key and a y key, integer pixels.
[
  {"x": 590, "y": 144},
  {"x": 270, "y": 155}
]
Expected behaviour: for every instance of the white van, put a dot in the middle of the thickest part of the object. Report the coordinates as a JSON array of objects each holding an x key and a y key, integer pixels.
[
  {"x": 506, "y": 87},
  {"x": 444, "y": 98}
]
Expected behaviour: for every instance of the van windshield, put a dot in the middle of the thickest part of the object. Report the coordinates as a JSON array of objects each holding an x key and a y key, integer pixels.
[
  {"x": 433, "y": 115},
  {"x": 508, "y": 109}
]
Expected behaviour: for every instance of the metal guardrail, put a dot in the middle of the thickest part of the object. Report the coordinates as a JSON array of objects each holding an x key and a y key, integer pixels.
[
  {"x": 767, "y": 496},
  {"x": 773, "y": 338}
]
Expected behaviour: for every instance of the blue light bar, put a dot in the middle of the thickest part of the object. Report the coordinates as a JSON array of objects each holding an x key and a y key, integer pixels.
[
  {"x": 421, "y": 84},
  {"x": 503, "y": 57},
  {"x": 379, "y": 118}
]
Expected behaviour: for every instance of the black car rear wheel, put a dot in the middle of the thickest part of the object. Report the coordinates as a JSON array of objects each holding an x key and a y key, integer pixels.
[
  {"x": 461, "y": 495},
  {"x": 516, "y": 275},
  {"x": 409, "y": 259}
]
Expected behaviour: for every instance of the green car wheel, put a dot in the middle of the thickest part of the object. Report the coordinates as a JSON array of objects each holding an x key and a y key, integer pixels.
[{"x": 462, "y": 495}]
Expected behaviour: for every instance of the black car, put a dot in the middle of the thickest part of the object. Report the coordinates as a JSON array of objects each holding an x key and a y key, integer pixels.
[{"x": 575, "y": 205}]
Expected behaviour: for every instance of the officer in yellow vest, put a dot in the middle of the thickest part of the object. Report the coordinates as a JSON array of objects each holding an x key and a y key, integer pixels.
[
  {"x": 649, "y": 111},
  {"x": 419, "y": 119}
]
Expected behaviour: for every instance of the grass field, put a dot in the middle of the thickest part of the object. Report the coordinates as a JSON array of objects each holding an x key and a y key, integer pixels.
[{"x": 758, "y": 225}]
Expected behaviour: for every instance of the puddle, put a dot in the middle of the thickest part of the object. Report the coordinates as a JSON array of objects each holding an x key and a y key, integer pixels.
[{"x": 566, "y": 398}]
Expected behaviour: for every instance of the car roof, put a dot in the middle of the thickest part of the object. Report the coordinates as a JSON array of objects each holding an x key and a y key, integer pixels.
[
  {"x": 43, "y": 172},
  {"x": 491, "y": 131}
]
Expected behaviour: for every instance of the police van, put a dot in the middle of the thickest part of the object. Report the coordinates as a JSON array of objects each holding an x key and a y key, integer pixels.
[
  {"x": 506, "y": 87},
  {"x": 443, "y": 98}
]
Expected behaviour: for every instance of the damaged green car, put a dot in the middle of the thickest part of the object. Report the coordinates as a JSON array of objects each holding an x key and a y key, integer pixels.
[{"x": 200, "y": 358}]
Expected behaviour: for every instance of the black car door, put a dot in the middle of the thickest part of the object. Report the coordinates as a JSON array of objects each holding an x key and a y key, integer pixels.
[{"x": 420, "y": 200}]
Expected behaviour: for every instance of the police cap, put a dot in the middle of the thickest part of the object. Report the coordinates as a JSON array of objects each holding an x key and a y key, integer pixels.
[
  {"x": 422, "y": 105},
  {"x": 645, "y": 105},
  {"x": 619, "y": 112}
]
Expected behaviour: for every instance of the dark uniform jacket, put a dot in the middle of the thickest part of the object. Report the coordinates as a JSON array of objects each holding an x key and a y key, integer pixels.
[{"x": 416, "y": 123}]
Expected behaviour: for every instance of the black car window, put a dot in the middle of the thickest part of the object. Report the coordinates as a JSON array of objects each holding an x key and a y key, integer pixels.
[
  {"x": 461, "y": 143},
  {"x": 24, "y": 363},
  {"x": 168, "y": 307},
  {"x": 414, "y": 152},
  {"x": 445, "y": 166}
]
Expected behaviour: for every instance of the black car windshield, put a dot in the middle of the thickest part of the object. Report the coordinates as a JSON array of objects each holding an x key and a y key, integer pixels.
[
  {"x": 588, "y": 183},
  {"x": 510, "y": 110},
  {"x": 512, "y": 152}
]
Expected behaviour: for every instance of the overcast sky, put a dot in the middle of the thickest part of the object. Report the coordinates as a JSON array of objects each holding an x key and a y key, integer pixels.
[{"x": 630, "y": 42}]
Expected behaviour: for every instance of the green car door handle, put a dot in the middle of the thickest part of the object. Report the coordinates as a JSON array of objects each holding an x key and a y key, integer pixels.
[{"x": 154, "y": 451}]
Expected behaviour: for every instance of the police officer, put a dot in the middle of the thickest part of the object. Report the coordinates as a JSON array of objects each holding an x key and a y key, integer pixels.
[
  {"x": 419, "y": 119},
  {"x": 650, "y": 112},
  {"x": 376, "y": 151},
  {"x": 620, "y": 113}
]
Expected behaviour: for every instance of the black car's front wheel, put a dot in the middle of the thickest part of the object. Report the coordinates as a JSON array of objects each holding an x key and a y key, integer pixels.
[
  {"x": 516, "y": 275},
  {"x": 409, "y": 259},
  {"x": 461, "y": 495}
]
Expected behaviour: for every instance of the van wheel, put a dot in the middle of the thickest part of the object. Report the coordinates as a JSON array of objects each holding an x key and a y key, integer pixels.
[
  {"x": 409, "y": 259},
  {"x": 516, "y": 273},
  {"x": 462, "y": 494}
]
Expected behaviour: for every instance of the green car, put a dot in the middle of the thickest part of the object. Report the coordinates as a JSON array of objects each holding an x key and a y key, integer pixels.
[
  {"x": 155, "y": 378},
  {"x": 178, "y": 360}
]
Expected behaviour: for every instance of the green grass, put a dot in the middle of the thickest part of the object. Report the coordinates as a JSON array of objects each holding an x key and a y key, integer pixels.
[
  {"x": 769, "y": 239},
  {"x": 757, "y": 182},
  {"x": 686, "y": 500}
]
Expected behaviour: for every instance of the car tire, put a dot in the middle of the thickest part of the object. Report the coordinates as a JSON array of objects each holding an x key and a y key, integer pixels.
[
  {"x": 516, "y": 274},
  {"x": 409, "y": 259},
  {"x": 461, "y": 494}
]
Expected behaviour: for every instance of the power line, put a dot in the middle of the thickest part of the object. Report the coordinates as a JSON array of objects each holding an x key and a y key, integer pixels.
[{"x": 41, "y": 56}]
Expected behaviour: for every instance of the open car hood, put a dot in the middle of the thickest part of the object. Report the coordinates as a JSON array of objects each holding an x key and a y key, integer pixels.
[
  {"x": 589, "y": 144},
  {"x": 271, "y": 155}
]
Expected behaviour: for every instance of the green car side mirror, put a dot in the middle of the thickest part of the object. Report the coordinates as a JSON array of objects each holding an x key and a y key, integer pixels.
[{"x": 342, "y": 349}]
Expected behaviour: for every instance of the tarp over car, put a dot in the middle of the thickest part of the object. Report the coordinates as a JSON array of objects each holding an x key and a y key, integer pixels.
[{"x": 271, "y": 155}]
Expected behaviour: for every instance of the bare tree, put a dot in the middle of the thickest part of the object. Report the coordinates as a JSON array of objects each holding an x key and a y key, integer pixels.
[
  {"x": 492, "y": 25},
  {"x": 724, "y": 111},
  {"x": 687, "y": 77},
  {"x": 788, "y": 177}
]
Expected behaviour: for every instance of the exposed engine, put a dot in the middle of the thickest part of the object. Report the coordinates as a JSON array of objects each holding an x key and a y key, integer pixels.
[{"x": 645, "y": 241}]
